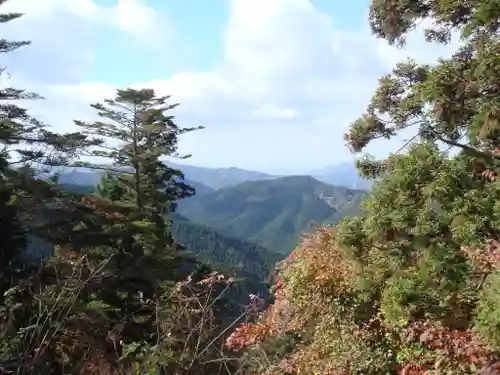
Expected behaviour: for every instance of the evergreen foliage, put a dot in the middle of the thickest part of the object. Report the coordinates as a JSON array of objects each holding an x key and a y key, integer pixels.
[
  {"x": 117, "y": 296},
  {"x": 413, "y": 280},
  {"x": 25, "y": 142}
]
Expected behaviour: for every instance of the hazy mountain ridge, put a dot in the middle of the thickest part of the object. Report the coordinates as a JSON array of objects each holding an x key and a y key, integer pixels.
[
  {"x": 80, "y": 176},
  {"x": 343, "y": 174},
  {"x": 218, "y": 178}
]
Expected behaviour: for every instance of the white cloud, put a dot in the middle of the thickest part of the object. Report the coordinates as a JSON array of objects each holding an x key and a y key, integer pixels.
[
  {"x": 133, "y": 17},
  {"x": 271, "y": 112},
  {"x": 61, "y": 32},
  {"x": 289, "y": 84},
  {"x": 140, "y": 21}
]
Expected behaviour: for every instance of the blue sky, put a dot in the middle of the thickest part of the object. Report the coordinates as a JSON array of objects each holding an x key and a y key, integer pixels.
[
  {"x": 275, "y": 82},
  {"x": 196, "y": 42}
]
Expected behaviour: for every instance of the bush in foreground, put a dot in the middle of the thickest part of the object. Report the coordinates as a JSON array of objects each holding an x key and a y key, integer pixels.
[{"x": 343, "y": 314}]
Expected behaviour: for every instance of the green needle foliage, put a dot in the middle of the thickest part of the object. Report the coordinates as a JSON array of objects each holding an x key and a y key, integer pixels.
[
  {"x": 427, "y": 242},
  {"x": 26, "y": 143},
  {"x": 137, "y": 130},
  {"x": 116, "y": 296},
  {"x": 413, "y": 281}
]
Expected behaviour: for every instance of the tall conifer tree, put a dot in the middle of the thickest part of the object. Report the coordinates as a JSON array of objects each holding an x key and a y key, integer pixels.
[
  {"x": 26, "y": 142},
  {"x": 139, "y": 131}
]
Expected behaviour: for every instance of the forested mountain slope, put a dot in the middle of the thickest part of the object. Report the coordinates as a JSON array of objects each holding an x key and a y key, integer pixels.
[
  {"x": 222, "y": 252},
  {"x": 233, "y": 255},
  {"x": 272, "y": 212}
]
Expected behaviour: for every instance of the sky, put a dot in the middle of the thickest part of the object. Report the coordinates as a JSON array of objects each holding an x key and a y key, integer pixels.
[{"x": 276, "y": 83}]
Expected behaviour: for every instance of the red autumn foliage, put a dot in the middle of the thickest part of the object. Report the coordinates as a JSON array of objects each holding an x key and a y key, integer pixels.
[
  {"x": 461, "y": 345},
  {"x": 486, "y": 258},
  {"x": 247, "y": 335},
  {"x": 488, "y": 174},
  {"x": 99, "y": 206},
  {"x": 456, "y": 345}
]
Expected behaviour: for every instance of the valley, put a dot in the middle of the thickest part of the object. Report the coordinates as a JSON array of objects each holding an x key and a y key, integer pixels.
[
  {"x": 273, "y": 212},
  {"x": 241, "y": 221}
]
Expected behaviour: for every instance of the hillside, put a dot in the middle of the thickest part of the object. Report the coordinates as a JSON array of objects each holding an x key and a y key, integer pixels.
[
  {"x": 233, "y": 255},
  {"x": 272, "y": 212},
  {"x": 222, "y": 252},
  {"x": 200, "y": 188}
]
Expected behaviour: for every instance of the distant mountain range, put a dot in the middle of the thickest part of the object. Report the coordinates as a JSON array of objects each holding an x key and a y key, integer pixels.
[
  {"x": 344, "y": 174},
  {"x": 205, "y": 179},
  {"x": 218, "y": 178},
  {"x": 80, "y": 176}
]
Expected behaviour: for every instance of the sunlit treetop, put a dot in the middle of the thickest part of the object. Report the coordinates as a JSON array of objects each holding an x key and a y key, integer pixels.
[
  {"x": 455, "y": 101},
  {"x": 393, "y": 19}
]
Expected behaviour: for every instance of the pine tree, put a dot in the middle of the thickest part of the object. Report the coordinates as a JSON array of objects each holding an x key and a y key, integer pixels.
[
  {"x": 148, "y": 262},
  {"x": 140, "y": 131},
  {"x": 25, "y": 142},
  {"x": 139, "y": 185}
]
